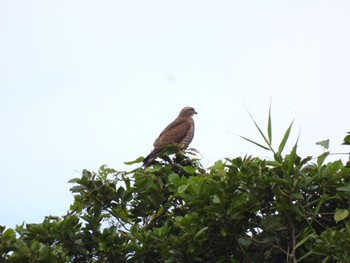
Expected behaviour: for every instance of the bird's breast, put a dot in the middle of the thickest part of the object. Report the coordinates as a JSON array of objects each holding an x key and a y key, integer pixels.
[{"x": 188, "y": 138}]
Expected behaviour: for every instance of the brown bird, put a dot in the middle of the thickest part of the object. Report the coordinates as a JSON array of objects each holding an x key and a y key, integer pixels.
[{"x": 180, "y": 132}]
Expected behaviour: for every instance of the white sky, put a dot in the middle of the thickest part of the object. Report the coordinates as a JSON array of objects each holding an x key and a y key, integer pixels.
[{"x": 86, "y": 83}]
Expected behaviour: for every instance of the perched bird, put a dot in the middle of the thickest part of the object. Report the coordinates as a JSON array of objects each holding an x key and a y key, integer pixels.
[{"x": 180, "y": 132}]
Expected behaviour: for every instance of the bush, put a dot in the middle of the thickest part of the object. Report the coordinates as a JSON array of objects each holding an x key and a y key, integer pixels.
[{"x": 288, "y": 209}]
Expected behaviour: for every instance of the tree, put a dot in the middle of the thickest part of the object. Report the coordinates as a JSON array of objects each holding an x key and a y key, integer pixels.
[{"x": 244, "y": 209}]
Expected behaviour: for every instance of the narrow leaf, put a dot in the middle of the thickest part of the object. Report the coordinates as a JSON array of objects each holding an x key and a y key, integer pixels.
[
  {"x": 200, "y": 232},
  {"x": 293, "y": 156},
  {"x": 309, "y": 253},
  {"x": 138, "y": 160},
  {"x": 312, "y": 235},
  {"x": 269, "y": 127},
  {"x": 258, "y": 144},
  {"x": 74, "y": 180},
  {"x": 344, "y": 188},
  {"x": 321, "y": 158},
  {"x": 285, "y": 138},
  {"x": 277, "y": 180},
  {"x": 260, "y": 131}
]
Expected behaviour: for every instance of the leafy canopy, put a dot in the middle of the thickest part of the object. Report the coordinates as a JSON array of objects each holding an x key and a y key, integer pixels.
[{"x": 288, "y": 209}]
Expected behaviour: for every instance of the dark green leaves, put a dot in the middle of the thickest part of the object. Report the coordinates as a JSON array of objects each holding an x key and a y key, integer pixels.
[
  {"x": 347, "y": 139},
  {"x": 240, "y": 208}
]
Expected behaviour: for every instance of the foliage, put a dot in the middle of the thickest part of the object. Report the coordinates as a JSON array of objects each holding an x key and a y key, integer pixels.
[
  {"x": 288, "y": 209},
  {"x": 347, "y": 139}
]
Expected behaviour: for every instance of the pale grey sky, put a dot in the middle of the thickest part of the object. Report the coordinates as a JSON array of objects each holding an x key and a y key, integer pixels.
[{"x": 86, "y": 83}]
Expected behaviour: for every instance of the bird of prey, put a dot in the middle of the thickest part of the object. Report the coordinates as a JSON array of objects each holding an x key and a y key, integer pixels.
[{"x": 179, "y": 132}]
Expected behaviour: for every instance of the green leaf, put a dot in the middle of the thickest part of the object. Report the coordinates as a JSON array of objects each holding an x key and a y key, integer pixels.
[
  {"x": 76, "y": 206},
  {"x": 260, "y": 131},
  {"x": 269, "y": 127},
  {"x": 309, "y": 253},
  {"x": 298, "y": 196},
  {"x": 277, "y": 180},
  {"x": 244, "y": 241},
  {"x": 292, "y": 157},
  {"x": 258, "y": 144},
  {"x": 189, "y": 169},
  {"x": 347, "y": 140},
  {"x": 218, "y": 165},
  {"x": 344, "y": 188},
  {"x": 138, "y": 160},
  {"x": 8, "y": 235},
  {"x": 178, "y": 220},
  {"x": 341, "y": 214},
  {"x": 285, "y": 138},
  {"x": 77, "y": 188},
  {"x": 274, "y": 163},
  {"x": 200, "y": 232},
  {"x": 121, "y": 214},
  {"x": 334, "y": 167},
  {"x": 87, "y": 174},
  {"x": 321, "y": 158},
  {"x": 174, "y": 178},
  {"x": 182, "y": 188},
  {"x": 324, "y": 144},
  {"x": 74, "y": 180},
  {"x": 196, "y": 184},
  {"x": 311, "y": 236},
  {"x": 215, "y": 199},
  {"x": 223, "y": 232}
]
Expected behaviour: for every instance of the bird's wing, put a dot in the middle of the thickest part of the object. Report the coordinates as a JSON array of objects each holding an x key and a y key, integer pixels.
[{"x": 173, "y": 133}]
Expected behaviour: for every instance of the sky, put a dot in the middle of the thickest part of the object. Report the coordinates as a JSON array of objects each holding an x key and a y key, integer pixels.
[{"x": 86, "y": 83}]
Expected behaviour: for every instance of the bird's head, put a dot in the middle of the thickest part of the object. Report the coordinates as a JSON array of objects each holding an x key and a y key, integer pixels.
[{"x": 187, "y": 112}]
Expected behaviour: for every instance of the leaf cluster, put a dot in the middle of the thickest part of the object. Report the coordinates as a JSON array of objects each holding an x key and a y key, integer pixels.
[{"x": 239, "y": 210}]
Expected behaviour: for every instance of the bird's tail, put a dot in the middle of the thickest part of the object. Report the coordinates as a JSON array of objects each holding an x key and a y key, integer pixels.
[{"x": 150, "y": 158}]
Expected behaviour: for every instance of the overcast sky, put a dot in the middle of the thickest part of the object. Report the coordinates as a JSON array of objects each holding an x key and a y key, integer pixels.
[{"x": 86, "y": 83}]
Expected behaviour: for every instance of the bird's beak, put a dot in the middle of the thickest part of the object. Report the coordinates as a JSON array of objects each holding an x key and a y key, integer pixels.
[{"x": 195, "y": 112}]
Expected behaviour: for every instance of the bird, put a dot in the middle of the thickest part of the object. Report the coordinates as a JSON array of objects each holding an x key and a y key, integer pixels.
[{"x": 179, "y": 132}]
